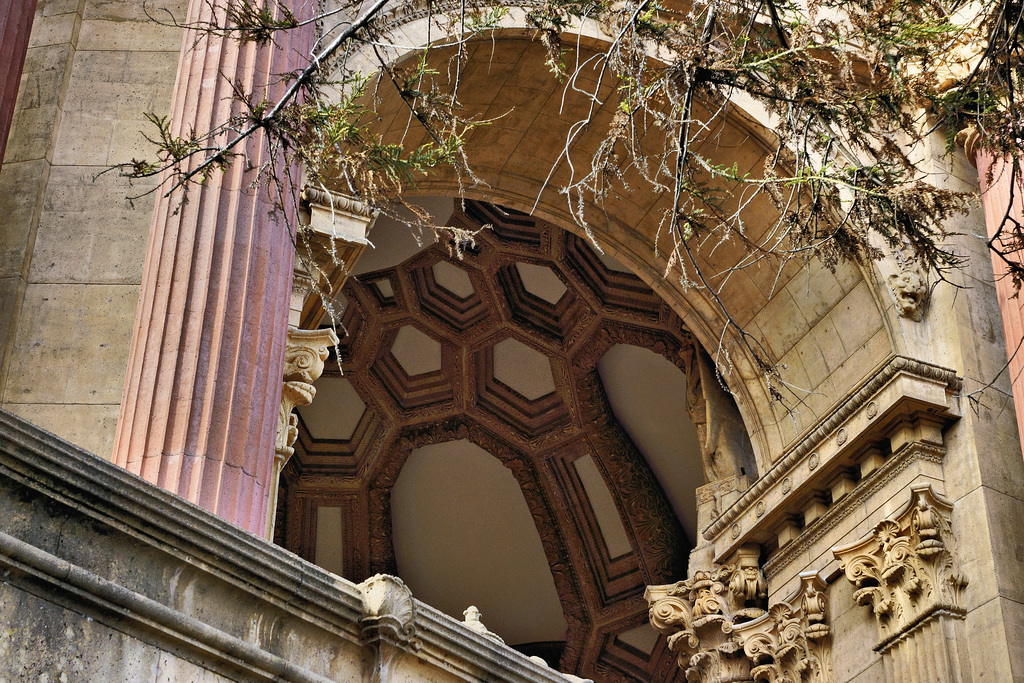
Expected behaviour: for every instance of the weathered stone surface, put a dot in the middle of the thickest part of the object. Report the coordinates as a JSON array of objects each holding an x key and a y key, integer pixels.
[{"x": 162, "y": 589}]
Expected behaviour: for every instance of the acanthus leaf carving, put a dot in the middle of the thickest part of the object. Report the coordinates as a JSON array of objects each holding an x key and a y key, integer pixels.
[
  {"x": 905, "y": 570},
  {"x": 701, "y": 616},
  {"x": 717, "y": 625},
  {"x": 791, "y": 643}
]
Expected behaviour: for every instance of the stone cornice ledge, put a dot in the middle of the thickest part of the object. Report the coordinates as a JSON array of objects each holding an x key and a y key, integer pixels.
[
  {"x": 333, "y": 201},
  {"x": 117, "y": 498},
  {"x": 901, "y": 387}
]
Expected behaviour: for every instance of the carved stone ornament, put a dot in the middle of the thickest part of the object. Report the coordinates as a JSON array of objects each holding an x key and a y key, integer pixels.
[
  {"x": 791, "y": 643},
  {"x": 906, "y": 569},
  {"x": 910, "y": 290},
  {"x": 473, "y": 623},
  {"x": 304, "y": 358},
  {"x": 389, "y": 611},
  {"x": 700, "y": 617},
  {"x": 724, "y": 447}
]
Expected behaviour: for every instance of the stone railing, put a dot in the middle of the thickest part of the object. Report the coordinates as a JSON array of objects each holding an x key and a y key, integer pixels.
[{"x": 108, "y": 577}]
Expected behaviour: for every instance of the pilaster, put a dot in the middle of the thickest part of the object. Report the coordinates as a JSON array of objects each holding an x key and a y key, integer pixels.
[{"x": 906, "y": 570}]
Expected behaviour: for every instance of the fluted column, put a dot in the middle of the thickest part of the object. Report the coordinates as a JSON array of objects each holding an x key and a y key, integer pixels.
[
  {"x": 15, "y": 26},
  {"x": 200, "y": 406},
  {"x": 1002, "y": 196}
]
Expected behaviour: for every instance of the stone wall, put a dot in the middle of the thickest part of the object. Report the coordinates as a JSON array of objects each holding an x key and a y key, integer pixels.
[{"x": 72, "y": 245}]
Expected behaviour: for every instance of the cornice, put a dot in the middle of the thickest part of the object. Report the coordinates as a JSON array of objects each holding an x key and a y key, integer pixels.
[
  {"x": 901, "y": 391},
  {"x": 830, "y": 424}
]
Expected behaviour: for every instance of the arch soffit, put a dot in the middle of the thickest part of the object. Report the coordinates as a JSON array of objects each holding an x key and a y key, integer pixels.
[{"x": 616, "y": 227}]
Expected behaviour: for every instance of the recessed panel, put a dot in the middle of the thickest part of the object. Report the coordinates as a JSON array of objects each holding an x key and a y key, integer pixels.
[
  {"x": 328, "y": 539},
  {"x": 523, "y": 369},
  {"x": 417, "y": 353},
  {"x": 464, "y": 535},
  {"x": 601, "y": 502},
  {"x": 541, "y": 281},
  {"x": 643, "y": 638},
  {"x": 454, "y": 279},
  {"x": 335, "y": 410}
]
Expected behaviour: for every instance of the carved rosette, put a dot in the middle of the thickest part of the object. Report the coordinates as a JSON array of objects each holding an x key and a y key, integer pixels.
[
  {"x": 906, "y": 569},
  {"x": 791, "y": 643},
  {"x": 700, "y": 616}
]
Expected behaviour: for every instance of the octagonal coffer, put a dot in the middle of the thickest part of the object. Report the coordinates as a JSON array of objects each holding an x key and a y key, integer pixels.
[
  {"x": 523, "y": 369},
  {"x": 453, "y": 278},
  {"x": 515, "y": 384},
  {"x": 539, "y": 300},
  {"x": 615, "y": 287},
  {"x": 542, "y": 282},
  {"x": 415, "y": 369},
  {"x": 509, "y": 226},
  {"x": 335, "y": 411},
  {"x": 446, "y": 292},
  {"x": 417, "y": 353}
]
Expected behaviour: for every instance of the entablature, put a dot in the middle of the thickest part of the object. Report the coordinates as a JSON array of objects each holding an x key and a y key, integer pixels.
[{"x": 895, "y": 419}]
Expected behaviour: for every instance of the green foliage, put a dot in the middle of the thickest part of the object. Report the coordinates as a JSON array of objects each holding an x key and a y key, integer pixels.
[{"x": 852, "y": 89}]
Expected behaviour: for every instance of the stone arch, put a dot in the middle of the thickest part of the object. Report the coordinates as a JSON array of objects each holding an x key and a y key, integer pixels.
[
  {"x": 570, "y": 586},
  {"x": 506, "y": 74}
]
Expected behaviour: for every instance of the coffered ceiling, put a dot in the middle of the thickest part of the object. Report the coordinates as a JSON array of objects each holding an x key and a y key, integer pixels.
[{"x": 507, "y": 430}]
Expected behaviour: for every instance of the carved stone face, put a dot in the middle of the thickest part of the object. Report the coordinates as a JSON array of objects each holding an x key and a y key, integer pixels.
[{"x": 909, "y": 289}]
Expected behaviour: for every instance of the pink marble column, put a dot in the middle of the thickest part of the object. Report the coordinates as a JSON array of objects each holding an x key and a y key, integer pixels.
[
  {"x": 997, "y": 186},
  {"x": 15, "y": 26},
  {"x": 200, "y": 406}
]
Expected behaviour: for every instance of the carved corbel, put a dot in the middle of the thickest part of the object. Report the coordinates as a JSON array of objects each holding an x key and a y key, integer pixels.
[
  {"x": 304, "y": 356},
  {"x": 791, "y": 643},
  {"x": 906, "y": 571},
  {"x": 700, "y": 617}
]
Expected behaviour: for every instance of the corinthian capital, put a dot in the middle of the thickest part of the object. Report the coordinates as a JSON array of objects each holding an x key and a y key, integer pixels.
[
  {"x": 700, "y": 616},
  {"x": 906, "y": 569}
]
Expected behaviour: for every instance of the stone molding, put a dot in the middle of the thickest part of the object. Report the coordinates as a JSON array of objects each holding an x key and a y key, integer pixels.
[
  {"x": 66, "y": 477},
  {"x": 902, "y": 391},
  {"x": 906, "y": 569},
  {"x": 141, "y": 612},
  {"x": 333, "y": 201}
]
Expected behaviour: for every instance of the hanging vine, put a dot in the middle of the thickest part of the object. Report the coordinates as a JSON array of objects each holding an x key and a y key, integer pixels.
[{"x": 852, "y": 91}]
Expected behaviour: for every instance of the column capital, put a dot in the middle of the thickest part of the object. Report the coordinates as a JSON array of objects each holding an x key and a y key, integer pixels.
[
  {"x": 700, "y": 616},
  {"x": 906, "y": 569}
]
